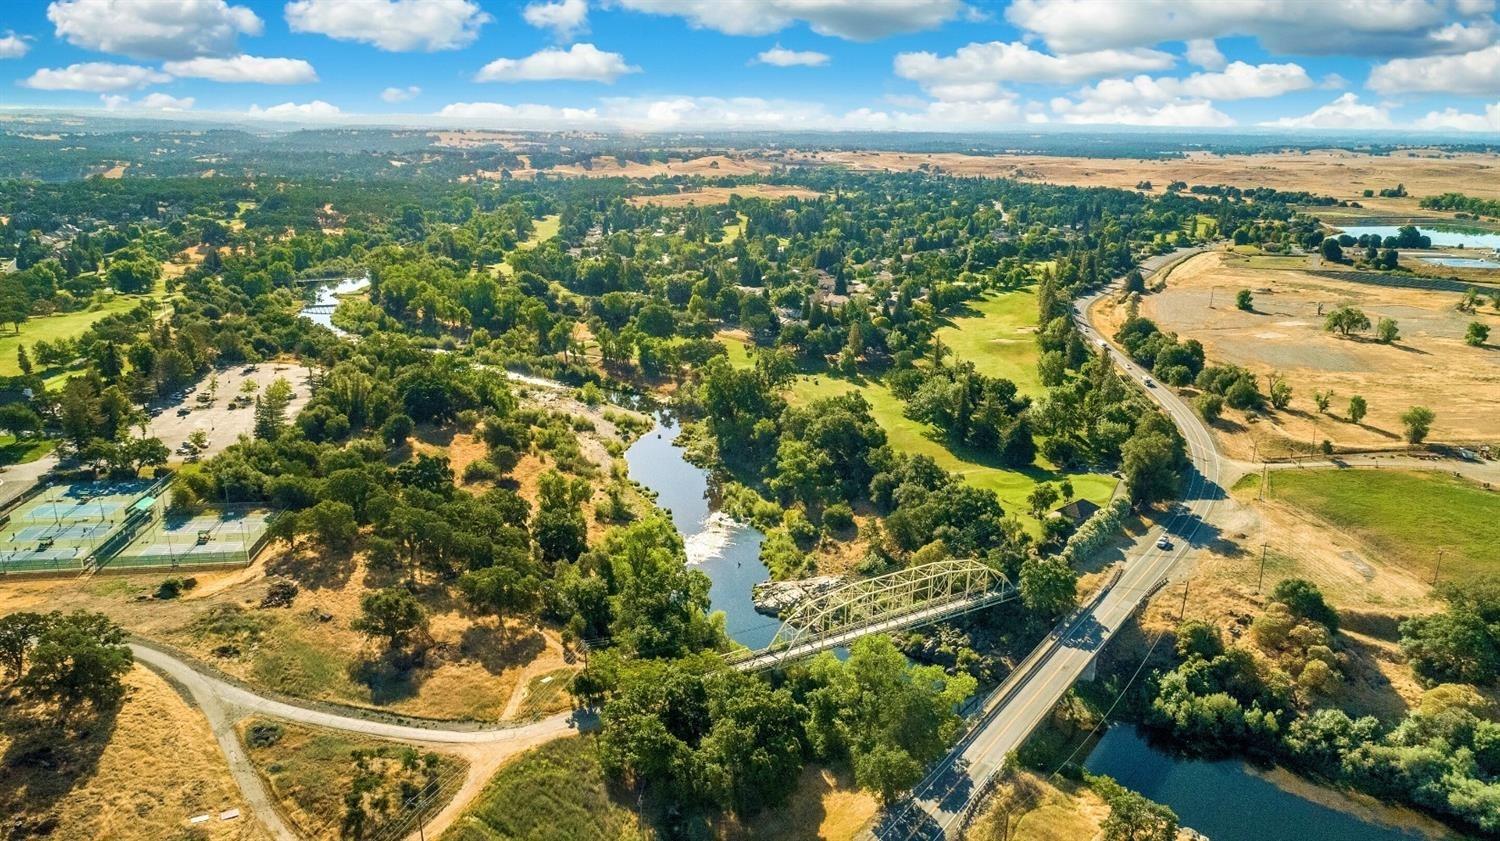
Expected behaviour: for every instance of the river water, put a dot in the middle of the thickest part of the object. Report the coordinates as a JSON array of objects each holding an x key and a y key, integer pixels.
[
  {"x": 1224, "y": 799},
  {"x": 320, "y": 311},
  {"x": 726, "y": 551}
]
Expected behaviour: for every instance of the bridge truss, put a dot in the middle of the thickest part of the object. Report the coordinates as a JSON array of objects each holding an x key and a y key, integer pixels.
[{"x": 897, "y": 600}]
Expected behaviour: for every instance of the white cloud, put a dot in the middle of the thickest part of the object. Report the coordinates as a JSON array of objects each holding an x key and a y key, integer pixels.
[
  {"x": 782, "y": 57},
  {"x": 314, "y": 110},
  {"x": 1177, "y": 113},
  {"x": 246, "y": 68},
  {"x": 739, "y": 113},
  {"x": 150, "y": 29},
  {"x": 565, "y": 18},
  {"x": 1346, "y": 112},
  {"x": 96, "y": 76},
  {"x": 1366, "y": 27},
  {"x": 995, "y": 62},
  {"x": 856, "y": 20},
  {"x": 400, "y": 94},
  {"x": 1186, "y": 101},
  {"x": 13, "y": 45},
  {"x": 1451, "y": 119},
  {"x": 1205, "y": 53},
  {"x": 394, "y": 25},
  {"x": 580, "y": 62},
  {"x": 1475, "y": 72},
  {"x": 164, "y": 102}
]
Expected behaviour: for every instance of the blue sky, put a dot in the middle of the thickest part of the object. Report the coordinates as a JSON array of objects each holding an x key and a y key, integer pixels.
[{"x": 767, "y": 64}]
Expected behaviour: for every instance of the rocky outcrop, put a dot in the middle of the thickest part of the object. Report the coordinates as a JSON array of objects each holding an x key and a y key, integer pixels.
[{"x": 775, "y": 598}]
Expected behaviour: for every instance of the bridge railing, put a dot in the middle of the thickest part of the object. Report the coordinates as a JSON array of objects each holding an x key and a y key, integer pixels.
[{"x": 905, "y": 598}]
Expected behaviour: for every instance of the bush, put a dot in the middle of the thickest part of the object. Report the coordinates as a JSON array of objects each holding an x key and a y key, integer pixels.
[
  {"x": 263, "y": 734},
  {"x": 838, "y": 516},
  {"x": 482, "y": 470}
]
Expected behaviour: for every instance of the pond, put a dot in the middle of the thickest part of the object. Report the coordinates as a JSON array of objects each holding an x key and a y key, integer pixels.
[
  {"x": 1460, "y": 262},
  {"x": 1443, "y": 237},
  {"x": 1225, "y": 800},
  {"x": 726, "y": 551},
  {"x": 320, "y": 311}
]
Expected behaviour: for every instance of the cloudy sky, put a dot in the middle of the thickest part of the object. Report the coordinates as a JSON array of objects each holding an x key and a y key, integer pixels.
[{"x": 768, "y": 64}]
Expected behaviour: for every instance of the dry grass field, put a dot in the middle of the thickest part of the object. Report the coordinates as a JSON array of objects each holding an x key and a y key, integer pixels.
[
  {"x": 138, "y": 775},
  {"x": 705, "y": 165},
  {"x": 1429, "y": 365},
  {"x": 1341, "y": 174},
  {"x": 720, "y": 195}
]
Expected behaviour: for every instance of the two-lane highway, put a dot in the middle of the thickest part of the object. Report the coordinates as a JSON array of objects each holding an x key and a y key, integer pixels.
[{"x": 938, "y": 803}]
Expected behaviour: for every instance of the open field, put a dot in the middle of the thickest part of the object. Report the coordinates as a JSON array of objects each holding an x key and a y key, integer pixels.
[
  {"x": 22, "y": 451},
  {"x": 825, "y": 807},
  {"x": 1455, "y": 517},
  {"x": 908, "y": 436},
  {"x": 704, "y": 165},
  {"x": 738, "y": 346},
  {"x": 309, "y": 772},
  {"x": 565, "y": 794},
  {"x": 139, "y": 775},
  {"x": 542, "y": 230},
  {"x": 720, "y": 195},
  {"x": 50, "y": 328},
  {"x": 999, "y": 337},
  {"x": 1429, "y": 365},
  {"x": 1337, "y": 173}
]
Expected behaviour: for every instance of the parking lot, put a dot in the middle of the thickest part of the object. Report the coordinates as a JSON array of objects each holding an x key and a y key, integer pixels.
[{"x": 220, "y": 420}]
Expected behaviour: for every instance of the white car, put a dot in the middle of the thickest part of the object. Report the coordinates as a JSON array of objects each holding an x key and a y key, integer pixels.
[{"x": 1163, "y": 542}]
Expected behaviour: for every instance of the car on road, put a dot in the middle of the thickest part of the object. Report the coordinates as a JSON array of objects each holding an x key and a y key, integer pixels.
[
  {"x": 1150, "y": 383},
  {"x": 1164, "y": 542}
]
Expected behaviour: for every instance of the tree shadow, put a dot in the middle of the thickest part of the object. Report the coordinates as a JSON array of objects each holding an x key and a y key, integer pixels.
[
  {"x": 314, "y": 571},
  {"x": 436, "y": 436},
  {"x": 392, "y": 675},
  {"x": 497, "y": 651},
  {"x": 45, "y": 761}
]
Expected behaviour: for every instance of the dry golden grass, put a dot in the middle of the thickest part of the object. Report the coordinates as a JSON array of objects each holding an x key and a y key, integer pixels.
[
  {"x": 309, "y": 771},
  {"x": 720, "y": 195},
  {"x": 1040, "y": 810},
  {"x": 116, "y": 171},
  {"x": 1343, "y": 175},
  {"x": 1430, "y": 365},
  {"x": 825, "y": 807},
  {"x": 139, "y": 777},
  {"x": 706, "y": 165}
]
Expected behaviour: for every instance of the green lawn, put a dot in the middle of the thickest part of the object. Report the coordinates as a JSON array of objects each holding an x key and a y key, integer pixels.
[
  {"x": 734, "y": 230},
  {"x": 1408, "y": 516},
  {"x": 542, "y": 230},
  {"x": 908, "y": 436},
  {"x": 53, "y": 327},
  {"x": 739, "y": 350},
  {"x": 20, "y": 452},
  {"x": 999, "y": 338},
  {"x": 556, "y": 792}
]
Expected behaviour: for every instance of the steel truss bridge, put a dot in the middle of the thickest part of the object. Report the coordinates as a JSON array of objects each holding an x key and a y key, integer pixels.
[{"x": 907, "y": 598}]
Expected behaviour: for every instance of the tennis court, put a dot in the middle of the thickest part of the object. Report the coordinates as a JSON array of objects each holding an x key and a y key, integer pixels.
[
  {"x": 216, "y": 536},
  {"x": 61, "y": 527}
]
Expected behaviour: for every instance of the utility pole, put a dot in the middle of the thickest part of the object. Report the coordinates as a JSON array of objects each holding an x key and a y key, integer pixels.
[
  {"x": 1262, "y": 577},
  {"x": 1182, "y": 612},
  {"x": 1437, "y": 567}
]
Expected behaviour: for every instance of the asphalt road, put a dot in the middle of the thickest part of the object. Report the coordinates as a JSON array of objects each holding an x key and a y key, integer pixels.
[{"x": 937, "y": 804}]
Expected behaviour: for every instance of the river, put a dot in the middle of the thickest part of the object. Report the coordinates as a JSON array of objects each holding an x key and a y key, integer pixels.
[
  {"x": 726, "y": 551},
  {"x": 1225, "y": 800},
  {"x": 320, "y": 311}
]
